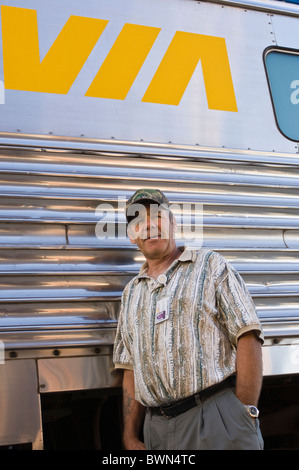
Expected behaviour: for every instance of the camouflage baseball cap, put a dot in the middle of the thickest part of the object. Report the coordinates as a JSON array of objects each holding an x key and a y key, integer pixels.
[{"x": 147, "y": 195}]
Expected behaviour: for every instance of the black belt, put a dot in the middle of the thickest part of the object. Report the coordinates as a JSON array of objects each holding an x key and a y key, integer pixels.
[{"x": 178, "y": 407}]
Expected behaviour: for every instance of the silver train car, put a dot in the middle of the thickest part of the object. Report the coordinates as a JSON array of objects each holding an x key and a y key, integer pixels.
[{"x": 98, "y": 99}]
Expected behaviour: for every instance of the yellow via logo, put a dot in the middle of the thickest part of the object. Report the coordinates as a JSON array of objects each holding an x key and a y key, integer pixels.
[{"x": 56, "y": 73}]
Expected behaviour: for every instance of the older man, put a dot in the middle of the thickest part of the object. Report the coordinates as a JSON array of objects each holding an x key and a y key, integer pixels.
[{"x": 189, "y": 342}]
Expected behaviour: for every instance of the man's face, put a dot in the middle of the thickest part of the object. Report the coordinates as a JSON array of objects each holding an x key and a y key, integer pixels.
[{"x": 151, "y": 229}]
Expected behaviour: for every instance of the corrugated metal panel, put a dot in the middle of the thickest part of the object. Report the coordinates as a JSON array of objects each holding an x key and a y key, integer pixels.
[{"x": 61, "y": 285}]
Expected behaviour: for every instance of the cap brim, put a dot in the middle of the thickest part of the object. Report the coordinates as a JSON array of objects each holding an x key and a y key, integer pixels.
[{"x": 143, "y": 202}]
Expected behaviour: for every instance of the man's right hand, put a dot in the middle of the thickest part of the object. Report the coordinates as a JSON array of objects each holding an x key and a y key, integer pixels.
[
  {"x": 133, "y": 413},
  {"x": 133, "y": 444}
]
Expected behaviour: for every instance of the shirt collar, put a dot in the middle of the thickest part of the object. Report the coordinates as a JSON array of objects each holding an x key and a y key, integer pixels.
[{"x": 187, "y": 255}]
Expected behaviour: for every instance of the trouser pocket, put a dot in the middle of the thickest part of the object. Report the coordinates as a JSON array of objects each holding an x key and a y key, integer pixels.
[{"x": 243, "y": 432}]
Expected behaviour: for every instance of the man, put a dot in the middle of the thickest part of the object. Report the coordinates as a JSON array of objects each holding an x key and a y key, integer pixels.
[{"x": 187, "y": 329}]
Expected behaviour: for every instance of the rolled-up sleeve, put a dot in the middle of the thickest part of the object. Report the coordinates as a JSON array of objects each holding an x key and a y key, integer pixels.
[{"x": 235, "y": 305}]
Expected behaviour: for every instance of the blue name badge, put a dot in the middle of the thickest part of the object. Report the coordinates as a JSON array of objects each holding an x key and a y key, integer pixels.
[{"x": 282, "y": 67}]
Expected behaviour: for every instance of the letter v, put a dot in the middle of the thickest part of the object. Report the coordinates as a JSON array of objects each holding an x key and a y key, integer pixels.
[{"x": 23, "y": 69}]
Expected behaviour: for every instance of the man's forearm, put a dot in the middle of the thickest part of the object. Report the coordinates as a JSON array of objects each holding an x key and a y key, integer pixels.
[
  {"x": 249, "y": 369},
  {"x": 133, "y": 413}
]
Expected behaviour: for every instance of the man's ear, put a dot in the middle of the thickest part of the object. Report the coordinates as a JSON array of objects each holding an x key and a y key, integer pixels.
[{"x": 130, "y": 235}]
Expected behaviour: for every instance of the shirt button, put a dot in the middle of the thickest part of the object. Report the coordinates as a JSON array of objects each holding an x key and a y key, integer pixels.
[{"x": 162, "y": 279}]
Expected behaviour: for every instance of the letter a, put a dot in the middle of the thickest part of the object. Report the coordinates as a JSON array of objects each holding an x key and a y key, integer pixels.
[{"x": 174, "y": 72}]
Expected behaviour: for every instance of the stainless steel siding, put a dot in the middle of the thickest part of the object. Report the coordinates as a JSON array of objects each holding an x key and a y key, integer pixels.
[{"x": 61, "y": 285}]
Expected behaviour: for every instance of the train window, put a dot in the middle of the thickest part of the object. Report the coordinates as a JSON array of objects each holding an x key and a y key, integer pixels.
[
  {"x": 292, "y": 1},
  {"x": 282, "y": 69}
]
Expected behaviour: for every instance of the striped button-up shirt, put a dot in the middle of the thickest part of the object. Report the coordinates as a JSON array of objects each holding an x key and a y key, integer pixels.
[{"x": 179, "y": 333}]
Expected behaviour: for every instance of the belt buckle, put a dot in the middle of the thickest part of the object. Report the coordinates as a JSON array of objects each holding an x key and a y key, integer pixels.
[{"x": 164, "y": 414}]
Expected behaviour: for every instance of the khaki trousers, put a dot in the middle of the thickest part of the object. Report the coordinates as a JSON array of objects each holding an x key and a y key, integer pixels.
[{"x": 219, "y": 423}]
